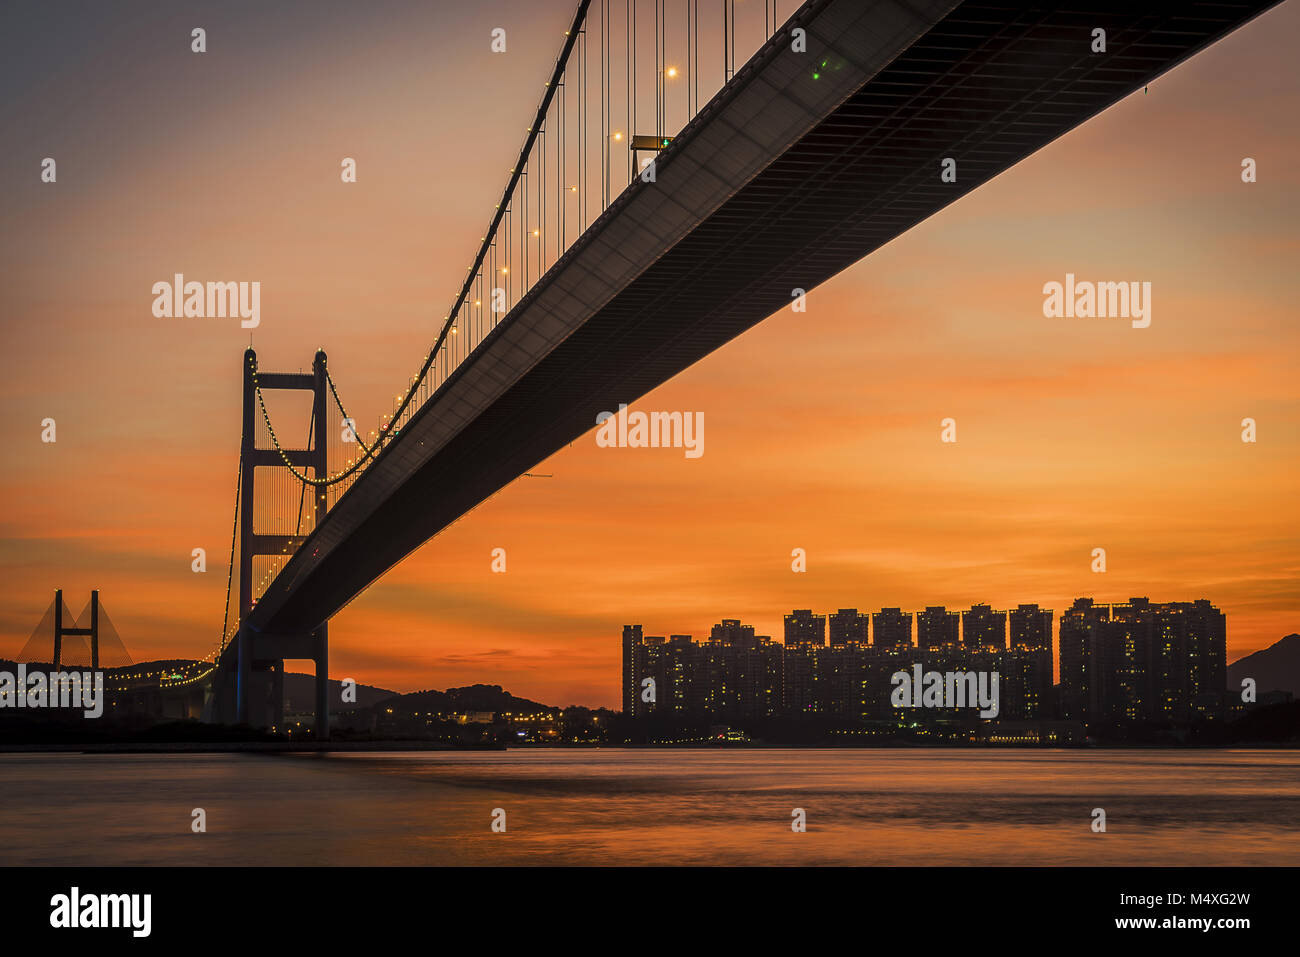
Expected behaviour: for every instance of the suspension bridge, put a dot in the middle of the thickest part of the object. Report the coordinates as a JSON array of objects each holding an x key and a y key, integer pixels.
[{"x": 664, "y": 200}]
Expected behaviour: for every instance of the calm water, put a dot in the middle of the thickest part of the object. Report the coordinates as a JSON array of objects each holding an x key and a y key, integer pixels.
[{"x": 654, "y": 807}]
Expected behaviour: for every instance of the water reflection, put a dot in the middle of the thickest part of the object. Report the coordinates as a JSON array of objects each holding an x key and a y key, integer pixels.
[{"x": 865, "y": 807}]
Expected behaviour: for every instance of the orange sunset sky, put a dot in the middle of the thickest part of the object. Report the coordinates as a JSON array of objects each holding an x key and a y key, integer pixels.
[{"x": 821, "y": 429}]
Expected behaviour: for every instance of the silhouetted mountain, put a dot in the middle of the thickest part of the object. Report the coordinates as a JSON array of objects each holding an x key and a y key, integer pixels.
[
  {"x": 1275, "y": 668},
  {"x": 471, "y": 698},
  {"x": 300, "y": 691},
  {"x": 300, "y": 694},
  {"x": 1276, "y": 722}
]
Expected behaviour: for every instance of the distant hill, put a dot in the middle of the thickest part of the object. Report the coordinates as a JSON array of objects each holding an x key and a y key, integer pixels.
[
  {"x": 1275, "y": 668},
  {"x": 300, "y": 694},
  {"x": 471, "y": 698}
]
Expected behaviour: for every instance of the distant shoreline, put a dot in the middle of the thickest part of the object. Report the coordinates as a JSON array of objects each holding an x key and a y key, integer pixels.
[
  {"x": 379, "y": 747},
  {"x": 230, "y": 747}
]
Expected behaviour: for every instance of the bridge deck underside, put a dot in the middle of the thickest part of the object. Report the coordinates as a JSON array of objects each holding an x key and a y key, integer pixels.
[{"x": 988, "y": 85}]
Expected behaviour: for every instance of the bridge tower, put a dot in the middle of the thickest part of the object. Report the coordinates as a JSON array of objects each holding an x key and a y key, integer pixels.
[
  {"x": 259, "y": 657},
  {"x": 92, "y": 632}
]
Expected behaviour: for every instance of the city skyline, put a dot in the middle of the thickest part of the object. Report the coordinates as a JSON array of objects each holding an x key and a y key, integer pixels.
[
  {"x": 823, "y": 427},
  {"x": 902, "y": 627},
  {"x": 1120, "y": 662}
]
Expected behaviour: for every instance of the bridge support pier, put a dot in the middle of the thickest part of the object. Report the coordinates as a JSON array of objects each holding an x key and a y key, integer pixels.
[
  {"x": 321, "y": 640},
  {"x": 258, "y": 698},
  {"x": 277, "y": 694},
  {"x": 244, "y": 674}
]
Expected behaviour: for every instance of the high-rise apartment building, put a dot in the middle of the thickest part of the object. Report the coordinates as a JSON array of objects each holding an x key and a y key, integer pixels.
[
  {"x": 802, "y": 627},
  {"x": 936, "y": 627},
  {"x": 735, "y": 674},
  {"x": 848, "y": 627},
  {"x": 1139, "y": 661},
  {"x": 1031, "y": 627},
  {"x": 891, "y": 628},
  {"x": 1080, "y": 644},
  {"x": 982, "y": 627},
  {"x": 631, "y": 638}
]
